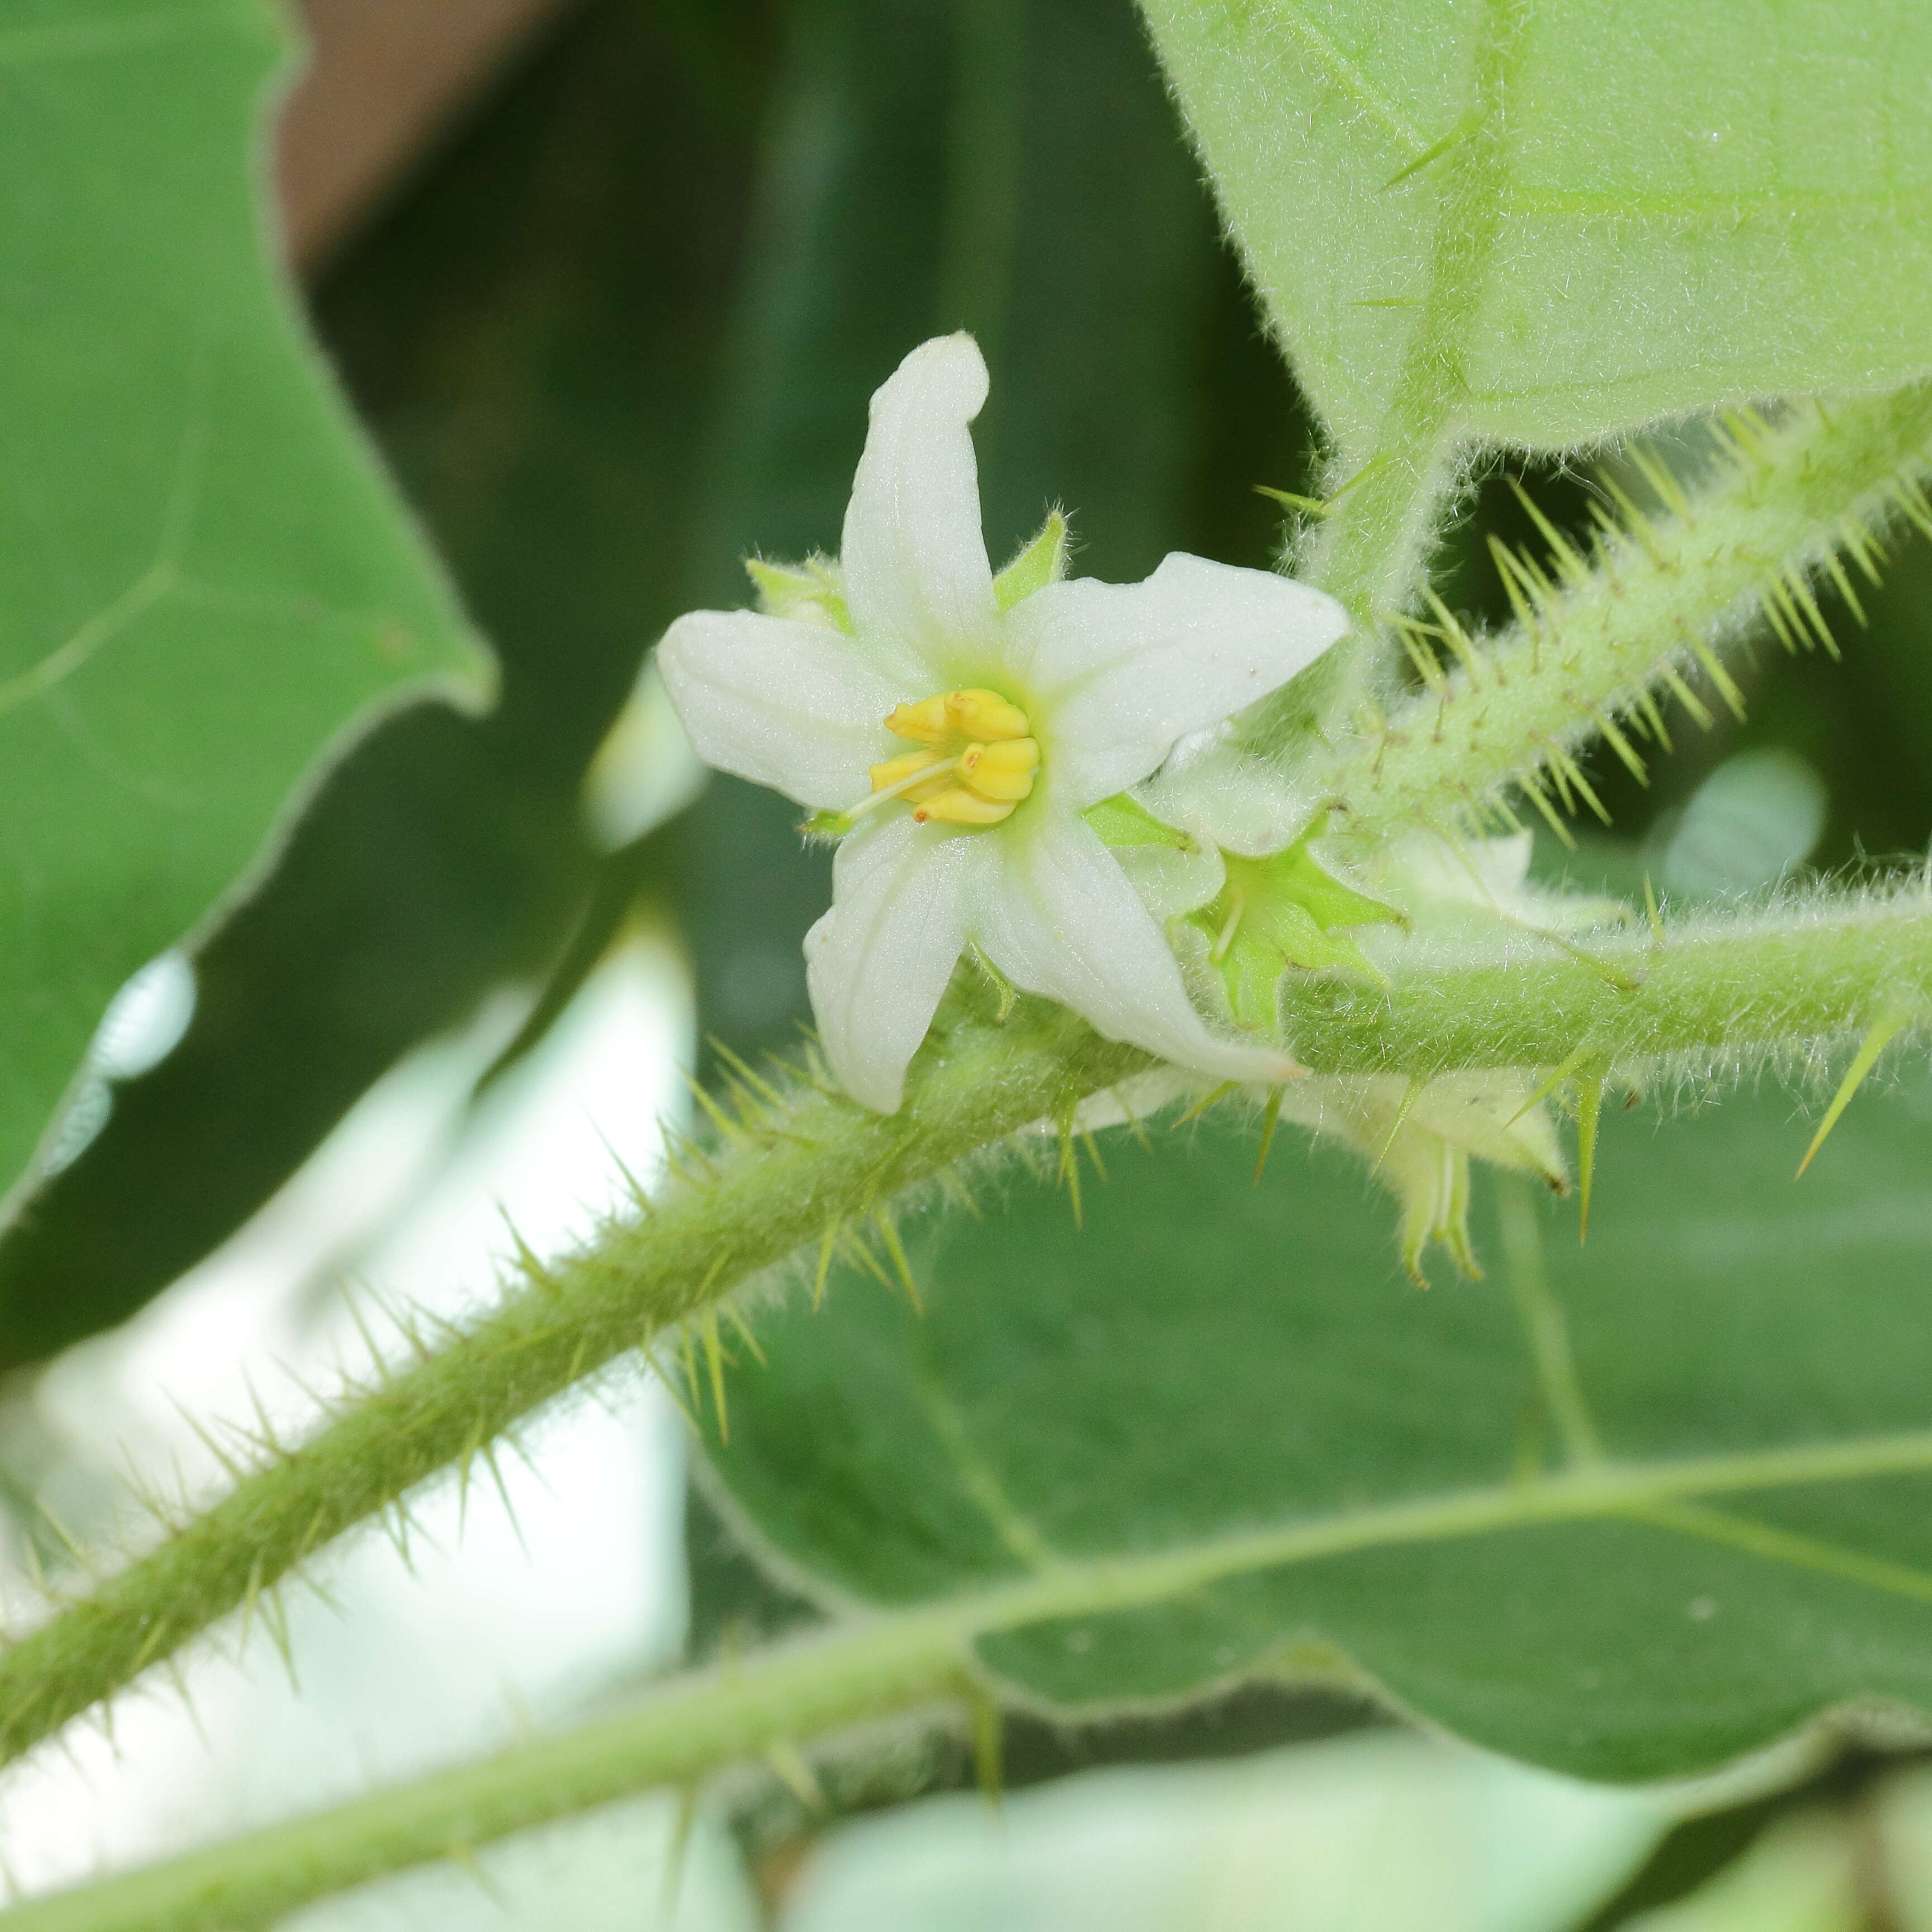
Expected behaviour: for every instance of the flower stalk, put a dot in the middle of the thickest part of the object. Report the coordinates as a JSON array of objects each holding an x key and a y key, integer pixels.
[{"x": 1721, "y": 992}]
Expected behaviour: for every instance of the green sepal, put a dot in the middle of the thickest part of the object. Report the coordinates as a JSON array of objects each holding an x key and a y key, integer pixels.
[
  {"x": 1043, "y": 561},
  {"x": 1122, "y": 821},
  {"x": 1305, "y": 881},
  {"x": 811, "y": 592},
  {"x": 1005, "y": 993},
  {"x": 1285, "y": 910}
]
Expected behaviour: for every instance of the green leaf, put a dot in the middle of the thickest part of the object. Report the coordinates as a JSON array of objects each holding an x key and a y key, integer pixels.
[
  {"x": 1626, "y": 1510},
  {"x": 1538, "y": 226},
  {"x": 202, "y": 576}
]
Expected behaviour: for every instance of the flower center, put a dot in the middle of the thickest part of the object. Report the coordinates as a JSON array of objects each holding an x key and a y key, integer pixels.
[{"x": 976, "y": 759}]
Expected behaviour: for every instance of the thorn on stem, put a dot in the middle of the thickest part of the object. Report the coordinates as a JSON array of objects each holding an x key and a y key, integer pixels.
[
  {"x": 1271, "y": 1119},
  {"x": 796, "y": 1776},
  {"x": 677, "y": 1851},
  {"x": 714, "y": 1356},
  {"x": 1875, "y": 1042}
]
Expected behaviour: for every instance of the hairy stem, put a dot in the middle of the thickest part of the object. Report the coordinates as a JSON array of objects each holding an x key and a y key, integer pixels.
[
  {"x": 1388, "y": 490},
  {"x": 1595, "y": 644},
  {"x": 784, "y": 1174},
  {"x": 1720, "y": 988},
  {"x": 1715, "y": 988},
  {"x": 698, "y": 1725},
  {"x": 899, "y": 1660},
  {"x": 786, "y": 1169}
]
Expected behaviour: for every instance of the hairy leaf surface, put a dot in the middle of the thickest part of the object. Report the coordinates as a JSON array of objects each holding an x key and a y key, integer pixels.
[
  {"x": 1554, "y": 221},
  {"x": 204, "y": 575},
  {"x": 1216, "y": 1433}
]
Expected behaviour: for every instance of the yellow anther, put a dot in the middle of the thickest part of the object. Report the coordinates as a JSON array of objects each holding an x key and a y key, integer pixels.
[
  {"x": 926, "y": 723},
  {"x": 979, "y": 762},
  {"x": 1004, "y": 770},
  {"x": 962, "y": 808},
  {"x": 986, "y": 714}
]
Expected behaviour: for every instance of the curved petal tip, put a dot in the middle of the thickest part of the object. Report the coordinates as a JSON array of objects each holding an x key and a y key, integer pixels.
[{"x": 945, "y": 376}]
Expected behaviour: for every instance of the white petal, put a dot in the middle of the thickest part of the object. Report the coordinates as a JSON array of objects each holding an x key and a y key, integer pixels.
[
  {"x": 1120, "y": 671},
  {"x": 1170, "y": 883},
  {"x": 1057, "y": 916},
  {"x": 878, "y": 962},
  {"x": 1225, "y": 796},
  {"x": 915, "y": 563},
  {"x": 796, "y": 706}
]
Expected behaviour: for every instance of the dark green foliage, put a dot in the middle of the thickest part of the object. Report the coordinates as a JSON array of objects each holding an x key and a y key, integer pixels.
[
  {"x": 534, "y": 335},
  {"x": 1209, "y": 1359}
]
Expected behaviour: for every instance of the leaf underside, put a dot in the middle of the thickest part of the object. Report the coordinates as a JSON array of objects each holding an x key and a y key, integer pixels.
[
  {"x": 1231, "y": 1388},
  {"x": 1685, "y": 205}
]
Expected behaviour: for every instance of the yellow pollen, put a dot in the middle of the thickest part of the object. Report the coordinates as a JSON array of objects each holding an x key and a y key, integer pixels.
[{"x": 979, "y": 759}]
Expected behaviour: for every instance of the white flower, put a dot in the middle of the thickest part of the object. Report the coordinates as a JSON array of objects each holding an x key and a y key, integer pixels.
[{"x": 964, "y": 741}]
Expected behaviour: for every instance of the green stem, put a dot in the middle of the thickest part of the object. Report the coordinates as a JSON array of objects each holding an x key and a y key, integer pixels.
[
  {"x": 782, "y": 1174},
  {"x": 1594, "y": 647},
  {"x": 689, "y": 1729},
  {"x": 1714, "y": 988},
  {"x": 894, "y": 1661},
  {"x": 1370, "y": 550},
  {"x": 1720, "y": 988}
]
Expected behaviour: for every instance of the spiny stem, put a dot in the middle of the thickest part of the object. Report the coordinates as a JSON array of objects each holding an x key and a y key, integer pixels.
[
  {"x": 728, "y": 1714},
  {"x": 1726, "y": 988},
  {"x": 1595, "y": 644},
  {"x": 1716, "y": 987},
  {"x": 901, "y": 1661},
  {"x": 776, "y": 1180}
]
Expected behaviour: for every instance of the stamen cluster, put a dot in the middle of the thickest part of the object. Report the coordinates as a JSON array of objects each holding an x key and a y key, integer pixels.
[{"x": 979, "y": 759}]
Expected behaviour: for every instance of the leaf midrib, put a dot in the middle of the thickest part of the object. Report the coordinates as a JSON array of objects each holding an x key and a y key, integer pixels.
[{"x": 1077, "y": 1586}]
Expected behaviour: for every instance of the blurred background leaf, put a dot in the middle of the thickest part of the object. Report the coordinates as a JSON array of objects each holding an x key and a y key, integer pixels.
[
  {"x": 206, "y": 577},
  {"x": 532, "y": 334}
]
